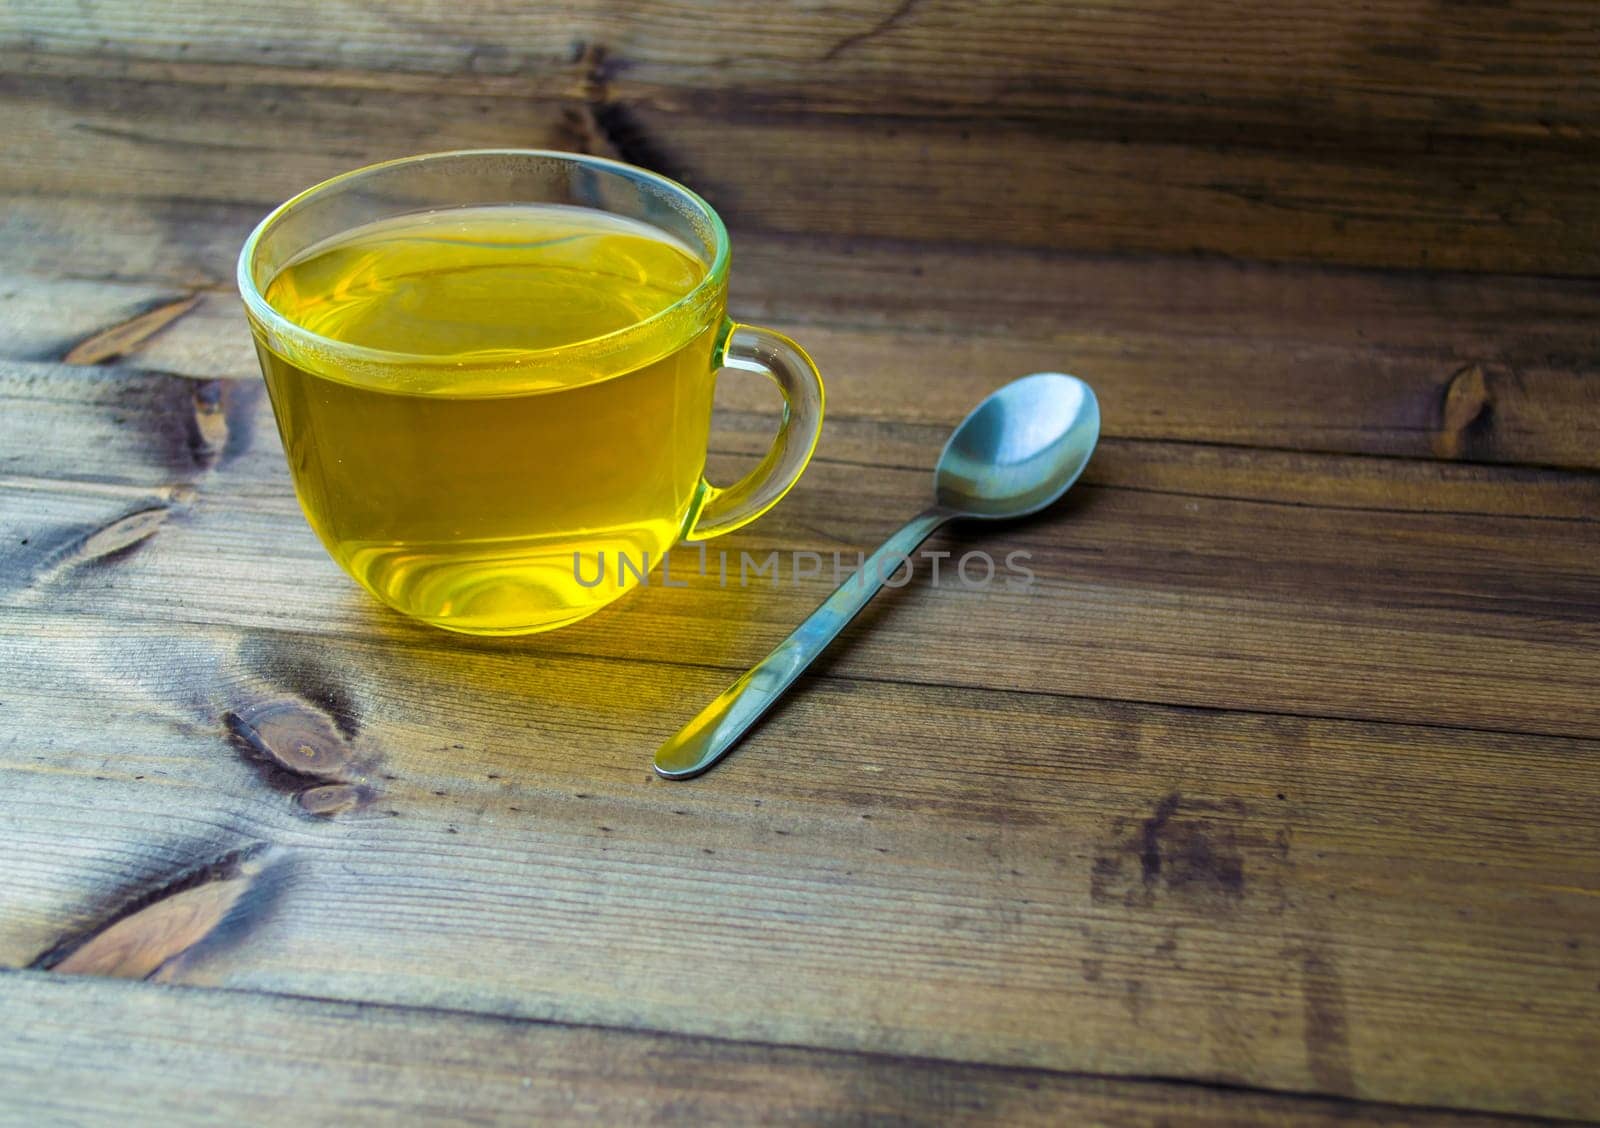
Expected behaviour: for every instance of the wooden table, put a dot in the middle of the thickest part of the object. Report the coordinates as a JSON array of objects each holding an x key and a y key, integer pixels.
[{"x": 1275, "y": 798}]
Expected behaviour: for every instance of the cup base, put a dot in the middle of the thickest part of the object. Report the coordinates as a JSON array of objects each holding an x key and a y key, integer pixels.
[{"x": 509, "y": 632}]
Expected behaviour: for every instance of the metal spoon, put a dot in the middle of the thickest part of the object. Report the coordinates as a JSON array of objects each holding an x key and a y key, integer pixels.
[{"x": 1015, "y": 454}]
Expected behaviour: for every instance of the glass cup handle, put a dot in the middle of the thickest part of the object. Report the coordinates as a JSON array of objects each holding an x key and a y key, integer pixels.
[{"x": 753, "y": 349}]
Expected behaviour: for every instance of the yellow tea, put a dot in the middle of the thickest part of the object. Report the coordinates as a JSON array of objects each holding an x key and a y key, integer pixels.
[{"x": 459, "y": 490}]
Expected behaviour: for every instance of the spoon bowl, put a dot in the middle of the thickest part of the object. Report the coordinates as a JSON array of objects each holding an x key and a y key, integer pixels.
[{"x": 1020, "y": 449}]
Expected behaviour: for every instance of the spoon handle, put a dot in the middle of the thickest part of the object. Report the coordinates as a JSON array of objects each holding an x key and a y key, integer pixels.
[{"x": 707, "y": 738}]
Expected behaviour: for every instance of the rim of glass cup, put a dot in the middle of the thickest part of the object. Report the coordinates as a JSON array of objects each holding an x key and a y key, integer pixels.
[{"x": 385, "y": 359}]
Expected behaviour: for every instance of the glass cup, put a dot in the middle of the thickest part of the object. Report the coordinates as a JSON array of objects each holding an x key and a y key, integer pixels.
[{"x": 506, "y": 490}]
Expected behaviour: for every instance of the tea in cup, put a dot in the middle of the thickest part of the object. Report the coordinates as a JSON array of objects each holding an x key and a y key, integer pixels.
[{"x": 492, "y": 369}]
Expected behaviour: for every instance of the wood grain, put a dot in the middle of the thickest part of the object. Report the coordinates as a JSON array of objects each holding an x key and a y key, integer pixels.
[
  {"x": 189, "y": 1057},
  {"x": 1296, "y": 358},
  {"x": 127, "y": 336},
  {"x": 1344, "y": 398},
  {"x": 1087, "y": 885},
  {"x": 1114, "y": 886},
  {"x": 1275, "y": 794},
  {"x": 71, "y": 255},
  {"x": 1367, "y": 591},
  {"x": 1458, "y": 204},
  {"x": 1523, "y": 70},
  {"x": 147, "y": 939}
]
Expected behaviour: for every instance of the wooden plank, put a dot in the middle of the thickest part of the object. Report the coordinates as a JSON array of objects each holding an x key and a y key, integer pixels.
[
  {"x": 59, "y": 435},
  {"x": 1240, "y": 354},
  {"x": 1396, "y": 393},
  {"x": 280, "y": 139},
  {"x": 181, "y": 245},
  {"x": 98, "y": 1050},
  {"x": 1466, "y": 207},
  {"x": 1175, "y": 602},
  {"x": 1094, "y": 886},
  {"x": 1173, "y": 609},
  {"x": 1516, "y": 321},
  {"x": 1525, "y": 70},
  {"x": 191, "y": 244},
  {"x": 1289, "y": 395},
  {"x": 1460, "y": 205}
]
